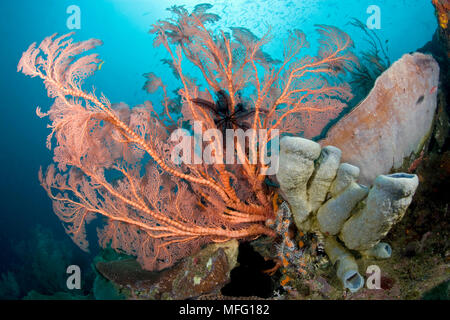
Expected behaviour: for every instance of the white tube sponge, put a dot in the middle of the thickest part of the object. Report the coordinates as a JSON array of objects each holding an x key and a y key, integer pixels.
[
  {"x": 347, "y": 269},
  {"x": 385, "y": 205},
  {"x": 297, "y": 156},
  {"x": 346, "y": 174},
  {"x": 323, "y": 176},
  {"x": 332, "y": 215},
  {"x": 380, "y": 251}
]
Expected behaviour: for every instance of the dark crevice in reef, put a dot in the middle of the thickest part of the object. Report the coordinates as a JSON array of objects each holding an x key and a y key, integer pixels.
[
  {"x": 439, "y": 47},
  {"x": 248, "y": 278}
]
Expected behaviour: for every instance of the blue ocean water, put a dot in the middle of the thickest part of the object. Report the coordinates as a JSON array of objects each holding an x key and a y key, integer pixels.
[{"x": 128, "y": 53}]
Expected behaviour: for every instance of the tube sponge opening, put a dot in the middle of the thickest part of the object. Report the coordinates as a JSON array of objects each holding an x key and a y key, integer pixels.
[
  {"x": 380, "y": 251},
  {"x": 353, "y": 281},
  {"x": 346, "y": 266}
]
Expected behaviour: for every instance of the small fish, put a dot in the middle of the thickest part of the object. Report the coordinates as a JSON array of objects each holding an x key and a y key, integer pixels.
[
  {"x": 433, "y": 90},
  {"x": 420, "y": 100},
  {"x": 100, "y": 65}
]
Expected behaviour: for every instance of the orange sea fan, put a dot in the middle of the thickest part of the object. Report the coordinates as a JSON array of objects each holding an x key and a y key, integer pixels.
[{"x": 158, "y": 210}]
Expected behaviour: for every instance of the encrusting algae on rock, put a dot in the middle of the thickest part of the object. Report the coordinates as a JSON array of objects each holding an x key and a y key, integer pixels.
[{"x": 203, "y": 273}]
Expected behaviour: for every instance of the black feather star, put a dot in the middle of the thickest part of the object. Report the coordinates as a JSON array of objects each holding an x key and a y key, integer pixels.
[{"x": 224, "y": 116}]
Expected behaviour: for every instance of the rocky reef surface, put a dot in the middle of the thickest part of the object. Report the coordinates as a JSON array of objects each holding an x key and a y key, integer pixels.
[{"x": 203, "y": 273}]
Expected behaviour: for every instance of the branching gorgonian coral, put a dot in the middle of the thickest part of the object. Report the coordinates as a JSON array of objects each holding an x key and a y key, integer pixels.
[{"x": 115, "y": 162}]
